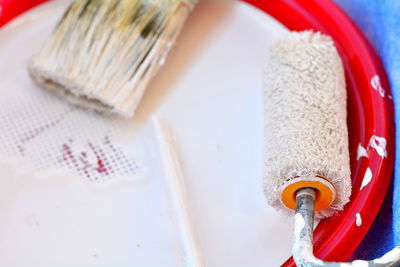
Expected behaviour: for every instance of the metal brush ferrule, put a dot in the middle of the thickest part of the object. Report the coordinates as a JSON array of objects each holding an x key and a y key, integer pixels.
[{"x": 303, "y": 237}]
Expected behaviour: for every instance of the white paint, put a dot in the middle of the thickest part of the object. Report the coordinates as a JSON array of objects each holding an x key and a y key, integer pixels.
[
  {"x": 390, "y": 257},
  {"x": 303, "y": 248},
  {"x": 357, "y": 263},
  {"x": 299, "y": 245},
  {"x": 361, "y": 152},
  {"x": 299, "y": 224},
  {"x": 376, "y": 84},
  {"x": 379, "y": 144},
  {"x": 358, "y": 219},
  {"x": 303, "y": 251},
  {"x": 367, "y": 178},
  {"x": 375, "y": 142}
]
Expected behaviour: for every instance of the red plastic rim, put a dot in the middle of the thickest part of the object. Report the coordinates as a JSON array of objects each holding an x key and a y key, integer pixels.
[{"x": 370, "y": 110}]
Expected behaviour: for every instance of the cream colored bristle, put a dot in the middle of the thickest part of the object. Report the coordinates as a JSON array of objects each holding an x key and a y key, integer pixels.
[{"x": 103, "y": 53}]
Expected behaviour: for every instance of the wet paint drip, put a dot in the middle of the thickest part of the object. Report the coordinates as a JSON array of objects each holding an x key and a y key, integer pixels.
[
  {"x": 361, "y": 152},
  {"x": 101, "y": 168},
  {"x": 98, "y": 152},
  {"x": 367, "y": 178},
  {"x": 376, "y": 84},
  {"x": 375, "y": 142},
  {"x": 358, "y": 219},
  {"x": 379, "y": 144},
  {"x": 97, "y": 161}
]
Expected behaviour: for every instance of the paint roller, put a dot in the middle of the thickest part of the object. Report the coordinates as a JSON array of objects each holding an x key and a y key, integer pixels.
[{"x": 306, "y": 166}]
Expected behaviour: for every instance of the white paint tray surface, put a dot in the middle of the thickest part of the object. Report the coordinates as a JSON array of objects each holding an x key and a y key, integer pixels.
[{"x": 79, "y": 189}]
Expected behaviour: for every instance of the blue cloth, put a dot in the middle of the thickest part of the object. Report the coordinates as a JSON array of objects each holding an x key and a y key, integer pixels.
[{"x": 380, "y": 22}]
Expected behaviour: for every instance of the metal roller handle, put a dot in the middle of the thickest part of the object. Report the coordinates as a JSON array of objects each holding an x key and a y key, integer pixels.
[{"x": 303, "y": 236}]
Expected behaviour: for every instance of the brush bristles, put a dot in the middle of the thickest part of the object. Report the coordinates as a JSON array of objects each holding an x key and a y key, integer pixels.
[{"x": 103, "y": 53}]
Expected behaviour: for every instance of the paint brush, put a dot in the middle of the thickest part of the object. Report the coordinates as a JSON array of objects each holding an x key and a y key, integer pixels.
[{"x": 102, "y": 54}]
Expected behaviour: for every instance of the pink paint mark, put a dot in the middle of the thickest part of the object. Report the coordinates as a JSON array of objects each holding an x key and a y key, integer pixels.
[
  {"x": 86, "y": 164},
  {"x": 101, "y": 168},
  {"x": 68, "y": 155},
  {"x": 97, "y": 160}
]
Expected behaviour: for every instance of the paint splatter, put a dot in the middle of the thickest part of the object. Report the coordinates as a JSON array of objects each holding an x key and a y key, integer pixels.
[
  {"x": 97, "y": 160},
  {"x": 376, "y": 84},
  {"x": 367, "y": 178},
  {"x": 361, "y": 152},
  {"x": 379, "y": 144},
  {"x": 375, "y": 142},
  {"x": 358, "y": 219}
]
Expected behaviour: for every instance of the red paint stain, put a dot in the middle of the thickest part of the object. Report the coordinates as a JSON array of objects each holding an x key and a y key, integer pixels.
[
  {"x": 68, "y": 155},
  {"x": 101, "y": 168},
  {"x": 96, "y": 160}
]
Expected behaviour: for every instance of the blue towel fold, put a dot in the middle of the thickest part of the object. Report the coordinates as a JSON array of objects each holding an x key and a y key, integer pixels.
[{"x": 380, "y": 22}]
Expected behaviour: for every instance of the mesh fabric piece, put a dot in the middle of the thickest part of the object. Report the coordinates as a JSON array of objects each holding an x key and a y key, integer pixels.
[{"x": 52, "y": 134}]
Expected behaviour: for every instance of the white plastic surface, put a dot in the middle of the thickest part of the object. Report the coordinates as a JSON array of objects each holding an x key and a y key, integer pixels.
[
  {"x": 179, "y": 202},
  {"x": 210, "y": 93}
]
